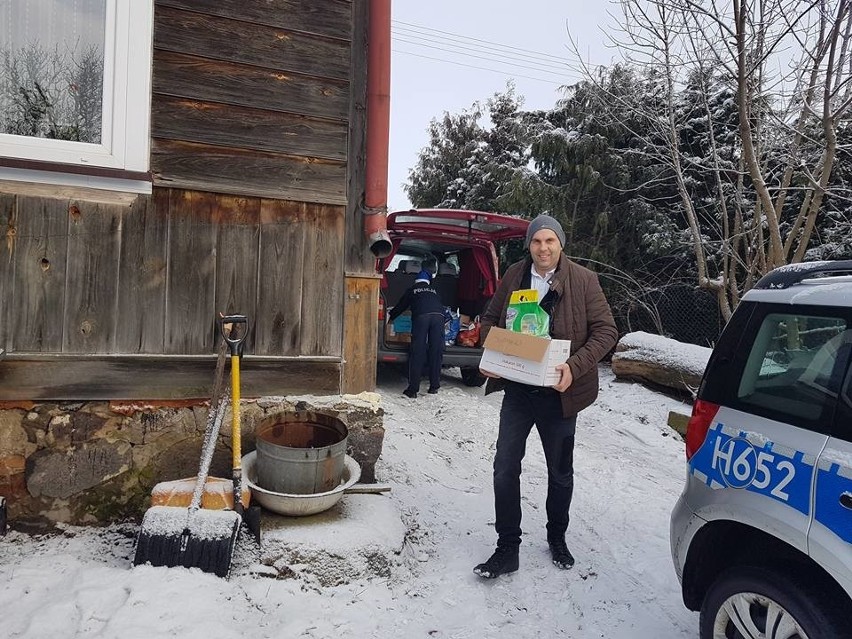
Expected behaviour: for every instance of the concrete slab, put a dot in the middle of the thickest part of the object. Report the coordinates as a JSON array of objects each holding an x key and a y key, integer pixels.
[{"x": 360, "y": 537}]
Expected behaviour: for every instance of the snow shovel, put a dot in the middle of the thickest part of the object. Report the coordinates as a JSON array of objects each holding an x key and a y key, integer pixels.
[{"x": 193, "y": 536}]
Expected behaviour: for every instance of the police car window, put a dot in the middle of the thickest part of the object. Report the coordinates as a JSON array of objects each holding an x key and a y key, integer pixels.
[
  {"x": 846, "y": 394},
  {"x": 795, "y": 367}
]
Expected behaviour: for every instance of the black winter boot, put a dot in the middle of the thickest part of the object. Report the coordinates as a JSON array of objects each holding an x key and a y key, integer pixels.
[
  {"x": 503, "y": 561},
  {"x": 559, "y": 553}
]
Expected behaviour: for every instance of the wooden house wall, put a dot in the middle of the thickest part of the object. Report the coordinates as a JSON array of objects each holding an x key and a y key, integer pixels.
[
  {"x": 257, "y": 154},
  {"x": 252, "y": 98},
  {"x": 83, "y": 280}
]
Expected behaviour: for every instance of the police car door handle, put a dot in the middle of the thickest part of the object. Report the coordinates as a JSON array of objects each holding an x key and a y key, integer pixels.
[{"x": 846, "y": 500}]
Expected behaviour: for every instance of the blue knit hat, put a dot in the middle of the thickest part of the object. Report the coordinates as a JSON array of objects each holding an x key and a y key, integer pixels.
[{"x": 424, "y": 276}]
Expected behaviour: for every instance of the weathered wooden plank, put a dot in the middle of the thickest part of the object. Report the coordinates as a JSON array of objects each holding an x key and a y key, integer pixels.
[
  {"x": 8, "y": 230},
  {"x": 91, "y": 291},
  {"x": 322, "y": 283},
  {"x": 362, "y": 292},
  {"x": 281, "y": 258},
  {"x": 240, "y": 127},
  {"x": 678, "y": 422},
  {"x": 238, "y": 220},
  {"x": 358, "y": 256},
  {"x": 38, "y": 295},
  {"x": 229, "y": 40},
  {"x": 359, "y": 333},
  {"x": 187, "y": 76},
  {"x": 85, "y": 378},
  {"x": 243, "y": 172},
  {"x": 323, "y": 18},
  {"x": 190, "y": 293},
  {"x": 62, "y": 192},
  {"x": 140, "y": 318}
]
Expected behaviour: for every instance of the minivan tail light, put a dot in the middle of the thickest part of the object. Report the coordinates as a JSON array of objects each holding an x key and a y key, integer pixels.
[
  {"x": 703, "y": 413},
  {"x": 381, "y": 308}
]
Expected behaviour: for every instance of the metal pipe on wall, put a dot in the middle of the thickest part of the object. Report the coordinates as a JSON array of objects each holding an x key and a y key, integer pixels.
[{"x": 378, "y": 127}]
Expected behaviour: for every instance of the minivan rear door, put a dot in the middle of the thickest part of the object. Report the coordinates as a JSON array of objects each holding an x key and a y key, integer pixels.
[
  {"x": 428, "y": 230},
  {"x": 456, "y": 223}
]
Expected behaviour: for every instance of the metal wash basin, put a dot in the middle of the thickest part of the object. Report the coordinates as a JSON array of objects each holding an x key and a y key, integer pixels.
[{"x": 299, "y": 505}]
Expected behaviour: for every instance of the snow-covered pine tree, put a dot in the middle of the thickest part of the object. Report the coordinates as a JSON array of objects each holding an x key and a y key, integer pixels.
[{"x": 470, "y": 164}]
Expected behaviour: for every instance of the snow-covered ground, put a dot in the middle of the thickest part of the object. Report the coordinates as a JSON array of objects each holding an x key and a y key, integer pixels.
[{"x": 437, "y": 457}]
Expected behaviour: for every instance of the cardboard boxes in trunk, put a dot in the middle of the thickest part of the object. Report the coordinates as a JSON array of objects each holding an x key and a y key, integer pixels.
[{"x": 524, "y": 358}]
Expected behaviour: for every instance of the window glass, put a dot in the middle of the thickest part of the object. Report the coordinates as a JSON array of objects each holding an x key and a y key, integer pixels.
[
  {"x": 843, "y": 422},
  {"x": 795, "y": 368},
  {"x": 404, "y": 263},
  {"x": 52, "y": 69}
]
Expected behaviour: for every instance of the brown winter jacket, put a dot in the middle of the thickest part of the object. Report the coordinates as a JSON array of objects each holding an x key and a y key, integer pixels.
[{"x": 581, "y": 314}]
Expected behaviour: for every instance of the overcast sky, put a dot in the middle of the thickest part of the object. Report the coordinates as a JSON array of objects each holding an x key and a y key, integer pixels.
[
  {"x": 72, "y": 24},
  {"x": 448, "y": 54}
]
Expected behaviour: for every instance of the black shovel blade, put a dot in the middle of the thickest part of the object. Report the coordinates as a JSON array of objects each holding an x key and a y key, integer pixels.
[{"x": 202, "y": 539}]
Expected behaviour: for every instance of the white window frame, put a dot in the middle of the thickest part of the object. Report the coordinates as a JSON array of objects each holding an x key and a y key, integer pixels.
[{"x": 125, "y": 139}]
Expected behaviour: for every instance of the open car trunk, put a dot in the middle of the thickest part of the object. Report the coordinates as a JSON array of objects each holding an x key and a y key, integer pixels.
[{"x": 459, "y": 249}]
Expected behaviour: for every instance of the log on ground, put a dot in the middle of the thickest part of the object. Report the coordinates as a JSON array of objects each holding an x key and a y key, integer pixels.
[{"x": 660, "y": 361}]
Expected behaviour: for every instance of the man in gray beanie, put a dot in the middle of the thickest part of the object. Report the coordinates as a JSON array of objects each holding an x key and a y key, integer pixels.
[{"x": 572, "y": 296}]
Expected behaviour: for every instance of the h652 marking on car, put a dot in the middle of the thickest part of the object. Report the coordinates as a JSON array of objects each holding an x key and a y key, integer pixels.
[{"x": 727, "y": 459}]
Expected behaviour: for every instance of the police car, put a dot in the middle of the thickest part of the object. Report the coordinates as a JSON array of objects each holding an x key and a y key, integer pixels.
[{"x": 762, "y": 535}]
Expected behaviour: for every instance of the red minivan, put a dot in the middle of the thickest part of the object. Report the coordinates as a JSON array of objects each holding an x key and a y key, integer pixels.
[{"x": 459, "y": 248}]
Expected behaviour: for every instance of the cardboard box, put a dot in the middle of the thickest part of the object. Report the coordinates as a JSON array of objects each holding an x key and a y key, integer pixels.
[
  {"x": 524, "y": 358},
  {"x": 392, "y": 337},
  {"x": 399, "y": 331},
  {"x": 402, "y": 324}
]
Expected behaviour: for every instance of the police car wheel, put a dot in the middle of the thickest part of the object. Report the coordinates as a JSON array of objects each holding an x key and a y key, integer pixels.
[{"x": 755, "y": 603}]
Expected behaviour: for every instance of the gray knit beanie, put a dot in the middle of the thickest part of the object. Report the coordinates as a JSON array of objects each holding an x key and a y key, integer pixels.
[{"x": 544, "y": 222}]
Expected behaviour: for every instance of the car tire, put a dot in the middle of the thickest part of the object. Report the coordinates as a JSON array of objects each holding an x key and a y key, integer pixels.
[
  {"x": 472, "y": 377},
  {"x": 754, "y": 594}
]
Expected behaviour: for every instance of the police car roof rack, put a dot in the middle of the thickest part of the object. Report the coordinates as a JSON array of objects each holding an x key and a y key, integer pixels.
[{"x": 791, "y": 274}]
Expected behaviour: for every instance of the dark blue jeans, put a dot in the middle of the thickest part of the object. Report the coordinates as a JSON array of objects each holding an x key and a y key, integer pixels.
[
  {"x": 427, "y": 345},
  {"x": 525, "y": 406}
]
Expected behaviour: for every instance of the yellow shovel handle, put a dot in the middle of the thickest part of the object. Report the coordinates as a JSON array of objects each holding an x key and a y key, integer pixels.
[
  {"x": 235, "y": 338},
  {"x": 236, "y": 444}
]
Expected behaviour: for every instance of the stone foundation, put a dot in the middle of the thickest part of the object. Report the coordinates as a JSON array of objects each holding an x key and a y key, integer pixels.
[{"x": 96, "y": 462}]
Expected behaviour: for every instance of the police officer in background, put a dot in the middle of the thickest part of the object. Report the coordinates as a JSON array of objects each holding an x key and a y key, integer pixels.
[{"x": 427, "y": 332}]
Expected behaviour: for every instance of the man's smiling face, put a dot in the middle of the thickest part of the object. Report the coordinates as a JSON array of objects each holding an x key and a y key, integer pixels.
[{"x": 545, "y": 250}]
